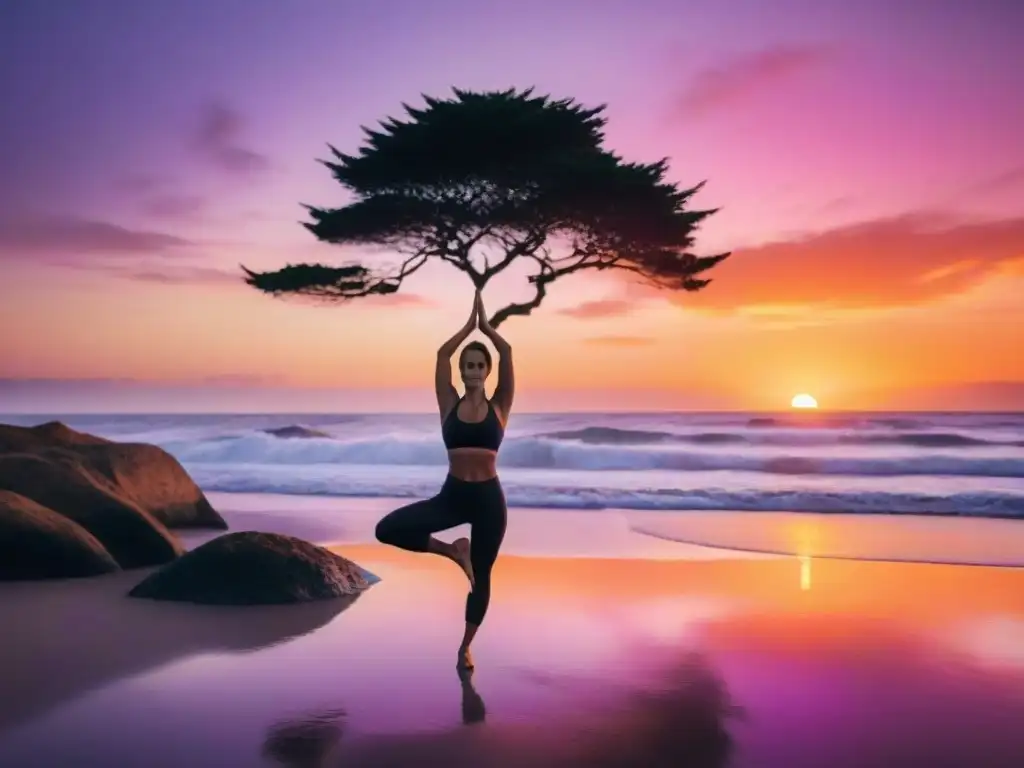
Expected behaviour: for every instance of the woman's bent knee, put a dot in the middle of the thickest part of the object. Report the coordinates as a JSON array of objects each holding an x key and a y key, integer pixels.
[{"x": 395, "y": 534}]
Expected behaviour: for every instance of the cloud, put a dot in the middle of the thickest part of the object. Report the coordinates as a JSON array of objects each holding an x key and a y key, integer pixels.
[
  {"x": 748, "y": 74},
  {"x": 837, "y": 204},
  {"x": 64, "y": 235},
  {"x": 217, "y": 140},
  {"x": 242, "y": 380},
  {"x": 13, "y": 386},
  {"x": 900, "y": 261},
  {"x": 34, "y": 383},
  {"x": 158, "y": 271},
  {"x": 1005, "y": 181},
  {"x": 170, "y": 206},
  {"x": 620, "y": 341},
  {"x": 177, "y": 275},
  {"x": 397, "y": 300},
  {"x": 602, "y": 308},
  {"x": 159, "y": 197}
]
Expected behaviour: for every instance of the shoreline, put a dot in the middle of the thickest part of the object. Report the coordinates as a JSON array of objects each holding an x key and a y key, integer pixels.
[
  {"x": 644, "y": 510},
  {"x": 694, "y": 535}
]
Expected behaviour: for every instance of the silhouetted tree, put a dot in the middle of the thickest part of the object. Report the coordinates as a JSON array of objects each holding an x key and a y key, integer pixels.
[{"x": 486, "y": 179}]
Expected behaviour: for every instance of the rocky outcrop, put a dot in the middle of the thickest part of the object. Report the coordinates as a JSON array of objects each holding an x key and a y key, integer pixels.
[
  {"x": 251, "y": 568},
  {"x": 154, "y": 480},
  {"x": 124, "y": 496},
  {"x": 49, "y": 435},
  {"x": 143, "y": 474},
  {"x": 295, "y": 430},
  {"x": 63, "y": 483},
  {"x": 38, "y": 543}
]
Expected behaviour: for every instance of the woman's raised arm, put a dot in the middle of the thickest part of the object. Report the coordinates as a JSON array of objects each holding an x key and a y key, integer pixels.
[
  {"x": 505, "y": 391},
  {"x": 443, "y": 387}
]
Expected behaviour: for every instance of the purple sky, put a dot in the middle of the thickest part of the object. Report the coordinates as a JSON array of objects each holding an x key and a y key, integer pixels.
[
  {"x": 110, "y": 101},
  {"x": 149, "y": 147}
]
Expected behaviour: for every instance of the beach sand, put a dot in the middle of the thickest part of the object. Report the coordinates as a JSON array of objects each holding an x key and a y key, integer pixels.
[{"x": 582, "y": 661}]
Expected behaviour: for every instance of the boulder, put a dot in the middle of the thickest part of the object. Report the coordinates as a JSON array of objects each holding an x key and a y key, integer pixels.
[
  {"x": 295, "y": 430},
  {"x": 60, "y": 481},
  {"x": 51, "y": 434},
  {"x": 38, "y": 543},
  {"x": 153, "y": 479},
  {"x": 253, "y": 568},
  {"x": 142, "y": 474}
]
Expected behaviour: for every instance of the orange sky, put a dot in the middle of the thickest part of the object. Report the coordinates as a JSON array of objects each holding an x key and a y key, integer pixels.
[{"x": 785, "y": 318}]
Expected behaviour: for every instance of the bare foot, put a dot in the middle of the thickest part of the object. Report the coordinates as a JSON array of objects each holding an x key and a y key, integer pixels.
[
  {"x": 465, "y": 661},
  {"x": 461, "y": 547}
]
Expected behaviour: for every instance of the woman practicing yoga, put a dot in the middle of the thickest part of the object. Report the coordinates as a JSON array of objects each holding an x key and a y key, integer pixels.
[{"x": 472, "y": 428}]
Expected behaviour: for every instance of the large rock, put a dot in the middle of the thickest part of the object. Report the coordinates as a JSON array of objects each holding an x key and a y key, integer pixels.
[
  {"x": 61, "y": 481},
  {"x": 52, "y": 433},
  {"x": 252, "y": 568},
  {"x": 154, "y": 480},
  {"x": 142, "y": 474},
  {"x": 38, "y": 543},
  {"x": 295, "y": 430}
]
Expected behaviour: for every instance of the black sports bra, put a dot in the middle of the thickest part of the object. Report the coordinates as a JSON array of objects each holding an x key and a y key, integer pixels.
[{"x": 486, "y": 433}]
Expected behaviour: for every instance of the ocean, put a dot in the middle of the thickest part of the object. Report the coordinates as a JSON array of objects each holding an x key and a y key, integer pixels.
[{"x": 967, "y": 464}]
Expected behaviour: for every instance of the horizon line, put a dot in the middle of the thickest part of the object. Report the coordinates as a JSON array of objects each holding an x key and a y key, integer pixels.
[{"x": 804, "y": 412}]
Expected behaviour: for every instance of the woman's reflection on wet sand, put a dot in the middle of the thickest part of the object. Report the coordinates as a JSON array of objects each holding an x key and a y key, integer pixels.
[{"x": 683, "y": 722}]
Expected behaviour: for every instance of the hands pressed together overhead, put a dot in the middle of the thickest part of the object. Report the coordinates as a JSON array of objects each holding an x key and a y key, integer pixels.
[
  {"x": 478, "y": 315},
  {"x": 505, "y": 389},
  {"x": 481, "y": 314}
]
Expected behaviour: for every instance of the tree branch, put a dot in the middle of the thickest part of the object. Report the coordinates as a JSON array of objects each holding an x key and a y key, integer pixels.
[
  {"x": 540, "y": 284},
  {"x": 339, "y": 283},
  {"x": 526, "y": 247},
  {"x": 549, "y": 272}
]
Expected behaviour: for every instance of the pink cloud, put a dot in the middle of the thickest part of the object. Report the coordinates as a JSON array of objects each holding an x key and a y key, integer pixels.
[
  {"x": 899, "y": 261},
  {"x": 172, "y": 206},
  {"x": 177, "y": 275},
  {"x": 79, "y": 236},
  {"x": 218, "y": 139},
  {"x": 747, "y": 74},
  {"x": 601, "y": 308},
  {"x": 398, "y": 300},
  {"x": 1010, "y": 179},
  {"x": 159, "y": 196}
]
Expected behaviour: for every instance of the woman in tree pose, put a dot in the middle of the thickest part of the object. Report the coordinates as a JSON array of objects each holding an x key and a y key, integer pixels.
[{"x": 472, "y": 428}]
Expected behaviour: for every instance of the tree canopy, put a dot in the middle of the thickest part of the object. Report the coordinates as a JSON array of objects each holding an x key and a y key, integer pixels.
[{"x": 485, "y": 179}]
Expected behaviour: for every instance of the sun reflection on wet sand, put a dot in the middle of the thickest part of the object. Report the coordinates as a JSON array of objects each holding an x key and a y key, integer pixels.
[{"x": 805, "y": 572}]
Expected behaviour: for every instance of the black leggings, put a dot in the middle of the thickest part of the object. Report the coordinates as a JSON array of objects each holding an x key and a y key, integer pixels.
[{"x": 482, "y": 505}]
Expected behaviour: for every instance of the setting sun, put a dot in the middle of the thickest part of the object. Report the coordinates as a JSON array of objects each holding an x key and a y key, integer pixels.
[{"x": 803, "y": 401}]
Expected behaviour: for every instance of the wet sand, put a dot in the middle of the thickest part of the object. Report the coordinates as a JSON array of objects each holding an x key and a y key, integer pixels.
[{"x": 582, "y": 661}]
